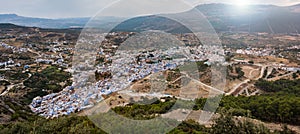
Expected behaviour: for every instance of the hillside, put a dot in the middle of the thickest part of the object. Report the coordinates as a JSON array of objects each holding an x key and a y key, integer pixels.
[
  {"x": 223, "y": 17},
  {"x": 51, "y": 23},
  {"x": 256, "y": 18}
]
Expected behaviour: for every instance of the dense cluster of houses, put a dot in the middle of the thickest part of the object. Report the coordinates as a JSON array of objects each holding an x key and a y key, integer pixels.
[{"x": 126, "y": 67}]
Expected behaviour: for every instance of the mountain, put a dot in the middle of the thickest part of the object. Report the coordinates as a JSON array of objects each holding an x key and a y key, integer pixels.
[
  {"x": 152, "y": 22},
  {"x": 255, "y": 18},
  {"x": 43, "y": 23},
  {"x": 295, "y": 8},
  {"x": 223, "y": 17},
  {"x": 5, "y": 26},
  {"x": 51, "y": 23}
]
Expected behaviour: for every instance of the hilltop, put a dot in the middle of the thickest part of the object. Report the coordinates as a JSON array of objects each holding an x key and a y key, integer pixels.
[{"x": 223, "y": 17}]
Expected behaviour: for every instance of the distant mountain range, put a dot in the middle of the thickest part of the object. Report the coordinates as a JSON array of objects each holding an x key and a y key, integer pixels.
[
  {"x": 255, "y": 18},
  {"x": 223, "y": 17},
  {"x": 51, "y": 23},
  {"x": 43, "y": 23}
]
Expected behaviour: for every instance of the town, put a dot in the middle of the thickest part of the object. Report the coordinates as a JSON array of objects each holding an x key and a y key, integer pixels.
[{"x": 122, "y": 70}]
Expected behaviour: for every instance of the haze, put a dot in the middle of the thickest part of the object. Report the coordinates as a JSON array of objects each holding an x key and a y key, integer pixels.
[{"x": 87, "y": 8}]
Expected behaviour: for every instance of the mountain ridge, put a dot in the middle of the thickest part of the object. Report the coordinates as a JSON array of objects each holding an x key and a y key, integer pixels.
[{"x": 223, "y": 17}]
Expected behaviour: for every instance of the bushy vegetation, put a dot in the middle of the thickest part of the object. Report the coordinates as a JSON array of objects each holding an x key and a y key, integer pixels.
[
  {"x": 63, "y": 125},
  {"x": 291, "y": 87},
  {"x": 14, "y": 75},
  {"x": 145, "y": 112},
  {"x": 81, "y": 124},
  {"x": 234, "y": 70},
  {"x": 280, "y": 104},
  {"x": 46, "y": 81},
  {"x": 240, "y": 72},
  {"x": 227, "y": 124},
  {"x": 20, "y": 113},
  {"x": 11, "y": 110},
  {"x": 202, "y": 66},
  {"x": 189, "y": 127},
  {"x": 272, "y": 108},
  {"x": 4, "y": 83}
]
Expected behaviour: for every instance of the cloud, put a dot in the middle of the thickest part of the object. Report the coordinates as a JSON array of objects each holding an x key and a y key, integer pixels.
[
  {"x": 53, "y": 8},
  {"x": 140, "y": 7},
  {"x": 273, "y": 2}
]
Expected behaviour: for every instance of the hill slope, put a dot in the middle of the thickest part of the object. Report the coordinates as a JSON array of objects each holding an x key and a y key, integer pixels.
[
  {"x": 223, "y": 17},
  {"x": 256, "y": 18}
]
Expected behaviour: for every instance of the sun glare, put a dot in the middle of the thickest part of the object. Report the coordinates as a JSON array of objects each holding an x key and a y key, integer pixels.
[{"x": 241, "y": 3}]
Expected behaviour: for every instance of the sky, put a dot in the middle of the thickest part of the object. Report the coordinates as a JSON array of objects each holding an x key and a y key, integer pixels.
[{"x": 88, "y": 8}]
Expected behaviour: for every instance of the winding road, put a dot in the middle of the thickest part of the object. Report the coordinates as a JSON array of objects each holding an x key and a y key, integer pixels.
[
  {"x": 9, "y": 87},
  {"x": 263, "y": 68}
]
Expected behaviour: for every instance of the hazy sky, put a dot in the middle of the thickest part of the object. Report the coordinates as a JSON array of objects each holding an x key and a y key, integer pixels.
[{"x": 86, "y": 8}]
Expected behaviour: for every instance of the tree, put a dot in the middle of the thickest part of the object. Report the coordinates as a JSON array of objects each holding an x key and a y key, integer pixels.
[
  {"x": 295, "y": 75},
  {"x": 251, "y": 62}
]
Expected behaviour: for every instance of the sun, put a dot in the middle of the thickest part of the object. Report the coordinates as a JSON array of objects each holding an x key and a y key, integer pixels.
[{"x": 241, "y": 3}]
